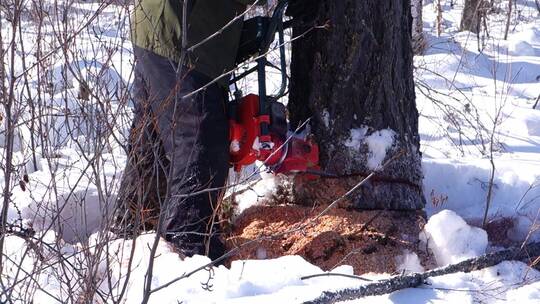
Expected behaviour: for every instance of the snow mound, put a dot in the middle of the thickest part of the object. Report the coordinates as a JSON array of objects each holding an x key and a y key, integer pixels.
[
  {"x": 459, "y": 185},
  {"x": 451, "y": 239},
  {"x": 532, "y": 35},
  {"x": 520, "y": 48}
]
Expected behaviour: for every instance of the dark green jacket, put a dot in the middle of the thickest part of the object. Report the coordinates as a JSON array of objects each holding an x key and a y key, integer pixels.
[{"x": 157, "y": 27}]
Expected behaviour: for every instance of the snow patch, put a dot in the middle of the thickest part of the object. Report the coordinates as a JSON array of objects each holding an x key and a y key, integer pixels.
[
  {"x": 326, "y": 118},
  {"x": 408, "y": 262},
  {"x": 528, "y": 294},
  {"x": 356, "y": 138},
  {"x": 254, "y": 277},
  {"x": 257, "y": 193},
  {"x": 532, "y": 35},
  {"x": 451, "y": 239},
  {"x": 378, "y": 143},
  {"x": 533, "y": 126}
]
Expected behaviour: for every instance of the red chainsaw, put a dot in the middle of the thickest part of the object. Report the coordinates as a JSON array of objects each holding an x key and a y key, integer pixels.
[{"x": 258, "y": 123}]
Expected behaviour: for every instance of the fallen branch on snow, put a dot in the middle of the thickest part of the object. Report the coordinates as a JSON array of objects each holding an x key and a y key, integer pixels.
[{"x": 417, "y": 279}]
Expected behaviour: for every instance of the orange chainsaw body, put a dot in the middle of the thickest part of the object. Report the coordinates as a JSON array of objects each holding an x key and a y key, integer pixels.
[{"x": 282, "y": 154}]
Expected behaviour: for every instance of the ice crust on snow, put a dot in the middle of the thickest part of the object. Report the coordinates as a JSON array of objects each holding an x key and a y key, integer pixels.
[{"x": 451, "y": 239}]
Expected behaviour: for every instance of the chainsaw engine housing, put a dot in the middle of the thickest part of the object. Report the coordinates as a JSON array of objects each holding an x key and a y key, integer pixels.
[{"x": 284, "y": 155}]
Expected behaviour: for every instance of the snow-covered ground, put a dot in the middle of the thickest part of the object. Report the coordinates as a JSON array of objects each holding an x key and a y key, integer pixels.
[
  {"x": 475, "y": 107},
  {"x": 474, "y": 103}
]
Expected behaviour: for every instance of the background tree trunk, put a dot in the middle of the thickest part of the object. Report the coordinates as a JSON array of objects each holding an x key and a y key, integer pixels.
[
  {"x": 470, "y": 20},
  {"x": 418, "y": 42},
  {"x": 358, "y": 74}
]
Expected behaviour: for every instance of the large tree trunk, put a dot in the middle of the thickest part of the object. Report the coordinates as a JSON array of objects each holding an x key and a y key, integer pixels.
[{"x": 357, "y": 74}]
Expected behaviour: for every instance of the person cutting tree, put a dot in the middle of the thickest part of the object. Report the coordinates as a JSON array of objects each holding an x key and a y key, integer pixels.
[{"x": 178, "y": 149}]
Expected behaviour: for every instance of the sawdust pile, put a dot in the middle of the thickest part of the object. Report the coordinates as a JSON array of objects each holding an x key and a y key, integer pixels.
[{"x": 370, "y": 241}]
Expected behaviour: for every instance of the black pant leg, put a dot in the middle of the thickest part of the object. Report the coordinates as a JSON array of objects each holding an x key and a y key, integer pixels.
[
  {"x": 198, "y": 149},
  {"x": 144, "y": 180},
  {"x": 194, "y": 135}
]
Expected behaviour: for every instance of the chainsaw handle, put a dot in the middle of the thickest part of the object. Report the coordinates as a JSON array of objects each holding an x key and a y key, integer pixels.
[
  {"x": 276, "y": 25},
  {"x": 282, "y": 61},
  {"x": 275, "y": 21}
]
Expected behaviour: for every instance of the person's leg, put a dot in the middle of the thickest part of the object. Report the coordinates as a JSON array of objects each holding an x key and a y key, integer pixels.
[
  {"x": 201, "y": 164},
  {"x": 143, "y": 181},
  {"x": 194, "y": 134}
]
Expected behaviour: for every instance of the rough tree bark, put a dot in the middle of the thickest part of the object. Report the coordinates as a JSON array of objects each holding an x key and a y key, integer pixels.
[
  {"x": 357, "y": 73},
  {"x": 470, "y": 18},
  {"x": 418, "y": 42}
]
